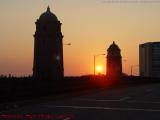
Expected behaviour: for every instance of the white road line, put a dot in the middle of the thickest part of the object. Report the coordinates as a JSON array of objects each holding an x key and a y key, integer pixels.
[
  {"x": 67, "y": 118},
  {"x": 99, "y": 100},
  {"x": 135, "y": 101},
  {"x": 125, "y": 98},
  {"x": 107, "y": 100},
  {"x": 107, "y": 108},
  {"x": 121, "y": 100}
]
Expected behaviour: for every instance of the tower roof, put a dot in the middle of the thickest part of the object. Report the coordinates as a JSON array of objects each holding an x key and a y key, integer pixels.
[
  {"x": 113, "y": 47},
  {"x": 48, "y": 16}
]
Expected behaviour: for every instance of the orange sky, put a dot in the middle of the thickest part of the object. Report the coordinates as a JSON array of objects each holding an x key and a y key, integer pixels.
[{"x": 89, "y": 25}]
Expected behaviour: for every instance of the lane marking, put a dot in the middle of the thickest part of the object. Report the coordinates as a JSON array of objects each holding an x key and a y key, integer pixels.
[
  {"x": 99, "y": 100},
  {"x": 108, "y": 100},
  {"x": 67, "y": 118},
  {"x": 125, "y": 98},
  {"x": 135, "y": 101},
  {"x": 107, "y": 108},
  {"x": 121, "y": 100}
]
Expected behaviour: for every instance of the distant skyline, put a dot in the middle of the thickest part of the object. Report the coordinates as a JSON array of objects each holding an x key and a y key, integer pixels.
[{"x": 89, "y": 25}]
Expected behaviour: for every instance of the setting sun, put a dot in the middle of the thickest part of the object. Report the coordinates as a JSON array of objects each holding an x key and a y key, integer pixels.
[{"x": 99, "y": 68}]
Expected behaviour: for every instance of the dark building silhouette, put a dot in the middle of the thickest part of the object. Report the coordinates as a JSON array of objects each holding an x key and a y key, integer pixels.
[
  {"x": 114, "y": 62},
  {"x": 48, "y": 48},
  {"x": 149, "y": 59}
]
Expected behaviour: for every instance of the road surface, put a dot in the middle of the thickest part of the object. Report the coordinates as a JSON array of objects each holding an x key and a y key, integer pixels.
[{"x": 130, "y": 103}]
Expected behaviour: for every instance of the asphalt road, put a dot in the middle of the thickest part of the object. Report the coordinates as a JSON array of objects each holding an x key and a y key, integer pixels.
[{"x": 132, "y": 103}]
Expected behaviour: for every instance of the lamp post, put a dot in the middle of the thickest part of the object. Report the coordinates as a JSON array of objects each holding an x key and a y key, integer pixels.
[
  {"x": 95, "y": 61},
  {"x": 66, "y": 44},
  {"x": 132, "y": 66},
  {"x": 123, "y": 61}
]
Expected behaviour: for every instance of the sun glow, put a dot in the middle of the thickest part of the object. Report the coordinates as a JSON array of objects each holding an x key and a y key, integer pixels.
[{"x": 99, "y": 68}]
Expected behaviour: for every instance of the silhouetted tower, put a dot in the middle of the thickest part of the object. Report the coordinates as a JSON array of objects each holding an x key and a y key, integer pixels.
[
  {"x": 114, "y": 62},
  {"x": 48, "y": 48}
]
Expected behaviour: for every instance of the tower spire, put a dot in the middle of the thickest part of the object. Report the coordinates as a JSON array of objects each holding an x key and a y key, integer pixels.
[{"x": 48, "y": 9}]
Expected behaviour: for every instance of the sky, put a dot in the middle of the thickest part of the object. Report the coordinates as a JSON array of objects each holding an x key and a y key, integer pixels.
[{"x": 89, "y": 25}]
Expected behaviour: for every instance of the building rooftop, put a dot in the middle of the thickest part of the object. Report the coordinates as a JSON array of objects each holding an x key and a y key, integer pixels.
[{"x": 48, "y": 16}]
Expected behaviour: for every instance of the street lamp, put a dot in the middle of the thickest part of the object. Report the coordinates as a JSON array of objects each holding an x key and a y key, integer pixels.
[
  {"x": 95, "y": 61},
  {"x": 67, "y": 44},
  {"x": 58, "y": 57}
]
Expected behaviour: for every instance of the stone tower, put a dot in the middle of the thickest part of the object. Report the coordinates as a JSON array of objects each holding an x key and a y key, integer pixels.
[
  {"x": 48, "y": 48},
  {"x": 114, "y": 62}
]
